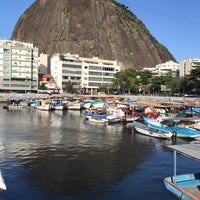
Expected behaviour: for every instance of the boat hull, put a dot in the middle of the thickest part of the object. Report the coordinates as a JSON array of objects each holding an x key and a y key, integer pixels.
[
  {"x": 180, "y": 132},
  {"x": 185, "y": 186},
  {"x": 96, "y": 120},
  {"x": 145, "y": 130}
]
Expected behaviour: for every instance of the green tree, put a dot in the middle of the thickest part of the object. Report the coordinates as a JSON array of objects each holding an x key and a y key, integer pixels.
[
  {"x": 116, "y": 81},
  {"x": 145, "y": 76},
  {"x": 126, "y": 81},
  {"x": 176, "y": 85},
  {"x": 167, "y": 78},
  {"x": 193, "y": 81},
  {"x": 103, "y": 88},
  {"x": 42, "y": 86},
  {"x": 134, "y": 85},
  {"x": 62, "y": 57},
  {"x": 68, "y": 87}
]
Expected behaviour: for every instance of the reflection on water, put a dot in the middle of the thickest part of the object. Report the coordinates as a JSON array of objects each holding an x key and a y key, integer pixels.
[{"x": 60, "y": 153}]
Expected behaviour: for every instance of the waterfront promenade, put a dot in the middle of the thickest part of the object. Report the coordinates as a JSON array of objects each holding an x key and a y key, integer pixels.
[{"x": 138, "y": 98}]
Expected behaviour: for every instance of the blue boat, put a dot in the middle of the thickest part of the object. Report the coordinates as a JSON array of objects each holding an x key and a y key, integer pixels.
[
  {"x": 184, "y": 186},
  {"x": 172, "y": 125},
  {"x": 32, "y": 103},
  {"x": 196, "y": 109},
  {"x": 58, "y": 105}
]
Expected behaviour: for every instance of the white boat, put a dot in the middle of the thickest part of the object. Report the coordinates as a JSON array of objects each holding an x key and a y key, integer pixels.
[
  {"x": 130, "y": 118},
  {"x": 12, "y": 107},
  {"x": 2, "y": 183},
  {"x": 184, "y": 186},
  {"x": 98, "y": 104},
  {"x": 111, "y": 119},
  {"x": 97, "y": 120},
  {"x": 86, "y": 105},
  {"x": 74, "y": 105},
  {"x": 43, "y": 105},
  {"x": 14, "y": 104},
  {"x": 146, "y": 130},
  {"x": 103, "y": 119}
]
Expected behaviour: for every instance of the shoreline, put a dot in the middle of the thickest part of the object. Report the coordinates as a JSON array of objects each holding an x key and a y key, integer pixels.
[{"x": 137, "y": 98}]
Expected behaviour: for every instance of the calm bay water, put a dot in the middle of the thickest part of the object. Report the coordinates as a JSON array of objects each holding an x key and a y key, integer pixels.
[{"x": 58, "y": 155}]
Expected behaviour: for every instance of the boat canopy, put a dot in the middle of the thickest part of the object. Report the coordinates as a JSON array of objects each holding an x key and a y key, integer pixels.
[{"x": 191, "y": 150}]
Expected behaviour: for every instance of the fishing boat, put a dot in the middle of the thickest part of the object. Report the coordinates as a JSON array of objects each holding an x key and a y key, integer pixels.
[
  {"x": 146, "y": 130},
  {"x": 172, "y": 125},
  {"x": 75, "y": 105},
  {"x": 14, "y": 104},
  {"x": 12, "y": 107},
  {"x": 95, "y": 119},
  {"x": 32, "y": 103},
  {"x": 57, "y": 104},
  {"x": 103, "y": 119},
  {"x": 43, "y": 104},
  {"x": 111, "y": 119},
  {"x": 98, "y": 104},
  {"x": 130, "y": 118},
  {"x": 184, "y": 186},
  {"x": 196, "y": 109}
]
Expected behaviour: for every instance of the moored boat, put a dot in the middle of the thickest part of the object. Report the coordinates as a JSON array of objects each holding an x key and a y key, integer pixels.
[
  {"x": 96, "y": 119},
  {"x": 74, "y": 105},
  {"x": 130, "y": 118},
  {"x": 57, "y": 104},
  {"x": 196, "y": 109},
  {"x": 14, "y": 104},
  {"x": 32, "y": 103},
  {"x": 171, "y": 125},
  {"x": 184, "y": 186},
  {"x": 146, "y": 130},
  {"x": 43, "y": 104}
]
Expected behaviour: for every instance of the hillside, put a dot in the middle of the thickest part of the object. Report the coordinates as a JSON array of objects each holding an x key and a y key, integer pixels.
[{"x": 102, "y": 28}]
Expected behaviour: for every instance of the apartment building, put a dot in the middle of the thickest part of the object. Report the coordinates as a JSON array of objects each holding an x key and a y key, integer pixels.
[
  {"x": 164, "y": 68},
  {"x": 85, "y": 74},
  {"x": 187, "y": 65},
  {"x": 18, "y": 66}
]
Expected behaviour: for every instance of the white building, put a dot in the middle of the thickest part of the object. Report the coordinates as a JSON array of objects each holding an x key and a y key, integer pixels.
[
  {"x": 164, "y": 68},
  {"x": 84, "y": 73},
  {"x": 187, "y": 65},
  {"x": 18, "y": 66}
]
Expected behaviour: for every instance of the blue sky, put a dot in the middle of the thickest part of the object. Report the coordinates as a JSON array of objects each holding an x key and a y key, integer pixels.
[{"x": 174, "y": 23}]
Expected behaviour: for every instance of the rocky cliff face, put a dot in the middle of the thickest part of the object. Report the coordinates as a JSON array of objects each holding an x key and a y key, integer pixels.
[{"x": 102, "y": 28}]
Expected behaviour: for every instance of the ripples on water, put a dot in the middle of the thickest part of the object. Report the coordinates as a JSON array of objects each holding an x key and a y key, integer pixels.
[{"x": 59, "y": 155}]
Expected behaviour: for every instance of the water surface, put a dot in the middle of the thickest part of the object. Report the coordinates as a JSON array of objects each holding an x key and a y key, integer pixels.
[{"x": 60, "y": 155}]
